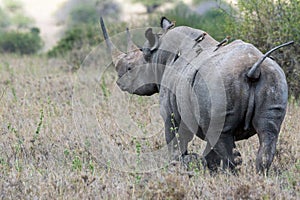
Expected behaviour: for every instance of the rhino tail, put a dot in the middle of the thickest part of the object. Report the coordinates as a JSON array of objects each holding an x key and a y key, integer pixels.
[
  {"x": 253, "y": 75},
  {"x": 250, "y": 108},
  {"x": 254, "y": 72}
]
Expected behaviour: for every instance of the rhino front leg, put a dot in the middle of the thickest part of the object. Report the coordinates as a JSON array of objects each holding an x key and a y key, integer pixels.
[
  {"x": 266, "y": 151},
  {"x": 177, "y": 137}
]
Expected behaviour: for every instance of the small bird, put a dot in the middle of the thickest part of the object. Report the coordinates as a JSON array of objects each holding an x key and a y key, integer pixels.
[
  {"x": 173, "y": 24},
  {"x": 201, "y": 37},
  {"x": 222, "y": 43}
]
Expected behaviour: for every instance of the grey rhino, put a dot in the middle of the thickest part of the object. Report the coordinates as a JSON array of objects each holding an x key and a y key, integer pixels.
[{"x": 221, "y": 96}]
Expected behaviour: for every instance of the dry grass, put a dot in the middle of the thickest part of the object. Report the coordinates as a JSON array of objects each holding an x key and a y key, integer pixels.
[{"x": 43, "y": 156}]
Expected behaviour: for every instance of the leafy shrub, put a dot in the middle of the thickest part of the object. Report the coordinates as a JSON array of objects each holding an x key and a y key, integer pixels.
[
  {"x": 16, "y": 34},
  {"x": 268, "y": 23},
  {"x": 21, "y": 42}
]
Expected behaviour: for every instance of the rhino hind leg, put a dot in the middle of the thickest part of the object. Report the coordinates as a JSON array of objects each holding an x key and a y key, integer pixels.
[
  {"x": 266, "y": 152},
  {"x": 191, "y": 161},
  {"x": 267, "y": 125},
  {"x": 221, "y": 154},
  {"x": 211, "y": 160}
]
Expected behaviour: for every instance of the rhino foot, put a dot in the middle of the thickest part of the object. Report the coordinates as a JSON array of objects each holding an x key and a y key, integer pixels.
[
  {"x": 191, "y": 161},
  {"x": 237, "y": 157}
]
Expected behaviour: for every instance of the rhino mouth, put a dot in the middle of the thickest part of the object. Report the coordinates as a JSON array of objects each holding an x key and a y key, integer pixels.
[
  {"x": 144, "y": 90},
  {"x": 123, "y": 87}
]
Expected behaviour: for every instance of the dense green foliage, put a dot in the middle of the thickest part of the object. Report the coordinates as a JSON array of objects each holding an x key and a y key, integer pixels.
[
  {"x": 268, "y": 23},
  {"x": 21, "y": 42},
  {"x": 17, "y": 34}
]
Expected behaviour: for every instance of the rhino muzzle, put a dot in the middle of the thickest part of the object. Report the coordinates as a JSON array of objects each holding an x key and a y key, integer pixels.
[{"x": 143, "y": 90}]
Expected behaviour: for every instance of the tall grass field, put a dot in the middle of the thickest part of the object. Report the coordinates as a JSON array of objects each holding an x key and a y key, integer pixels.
[{"x": 46, "y": 152}]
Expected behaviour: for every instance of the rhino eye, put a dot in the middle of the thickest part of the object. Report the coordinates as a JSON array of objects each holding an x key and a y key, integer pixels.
[{"x": 129, "y": 67}]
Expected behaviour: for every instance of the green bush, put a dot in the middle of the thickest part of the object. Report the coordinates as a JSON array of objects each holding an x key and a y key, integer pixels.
[
  {"x": 21, "y": 42},
  {"x": 268, "y": 23}
]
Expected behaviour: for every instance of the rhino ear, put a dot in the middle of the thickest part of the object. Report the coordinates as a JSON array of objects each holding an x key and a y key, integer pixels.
[
  {"x": 166, "y": 24},
  {"x": 152, "y": 39}
]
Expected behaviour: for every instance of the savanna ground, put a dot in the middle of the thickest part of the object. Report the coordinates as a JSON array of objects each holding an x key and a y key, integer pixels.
[{"x": 43, "y": 155}]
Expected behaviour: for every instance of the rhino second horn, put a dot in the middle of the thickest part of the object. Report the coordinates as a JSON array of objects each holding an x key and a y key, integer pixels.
[
  {"x": 130, "y": 44},
  {"x": 115, "y": 53}
]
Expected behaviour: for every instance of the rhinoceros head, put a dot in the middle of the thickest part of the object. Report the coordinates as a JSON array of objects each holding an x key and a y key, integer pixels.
[
  {"x": 153, "y": 40},
  {"x": 136, "y": 72}
]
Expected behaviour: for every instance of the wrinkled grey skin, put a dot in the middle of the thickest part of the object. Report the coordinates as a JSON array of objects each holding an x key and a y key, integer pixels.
[{"x": 207, "y": 93}]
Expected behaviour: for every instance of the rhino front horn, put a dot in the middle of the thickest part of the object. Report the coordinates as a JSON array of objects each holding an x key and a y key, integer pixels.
[
  {"x": 115, "y": 53},
  {"x": 130, "y": 45}
]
